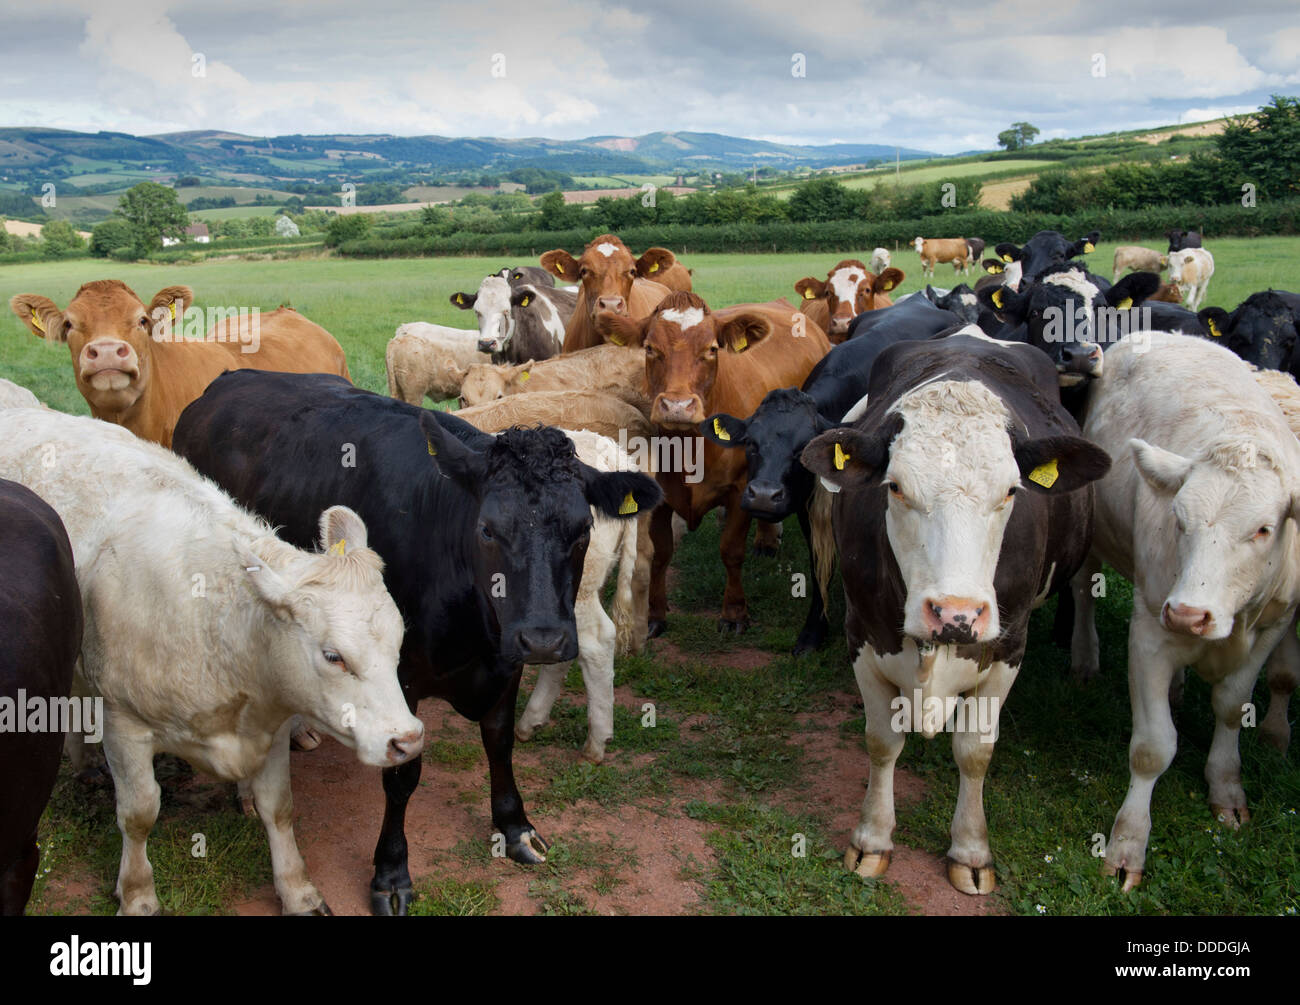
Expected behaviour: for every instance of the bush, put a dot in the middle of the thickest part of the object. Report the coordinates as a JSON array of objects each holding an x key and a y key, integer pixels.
[
  {"x": 112, "y": 233},
  {"x": 346, "y": 228}
]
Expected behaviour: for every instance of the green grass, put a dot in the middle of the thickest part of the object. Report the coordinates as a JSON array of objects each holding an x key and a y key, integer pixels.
[{"x": 927, "y": 173}]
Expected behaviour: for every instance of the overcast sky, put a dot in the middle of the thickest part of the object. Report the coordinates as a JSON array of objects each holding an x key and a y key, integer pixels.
[{"x": 939, "y": 76}]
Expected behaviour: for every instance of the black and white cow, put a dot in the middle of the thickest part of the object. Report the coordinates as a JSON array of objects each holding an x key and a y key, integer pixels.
[
  {"x": 1261, "y": 329},
  {"x": 40, "y": 608},
  {"x": 1180, "y": 239},
  {"x": 1041, "y": 252},
  {"x": 976, "y": 245},
  {"x": 534, "y": 275},
  {"x": 518, "y": 323},
  {"x": 958, "y": 510},
  {"x": 483, "y": 540}
]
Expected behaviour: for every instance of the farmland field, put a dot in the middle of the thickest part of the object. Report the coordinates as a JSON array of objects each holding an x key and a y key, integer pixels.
[
  {"x": 929, "y": 173},
  {"x": 750, "y": 748}
]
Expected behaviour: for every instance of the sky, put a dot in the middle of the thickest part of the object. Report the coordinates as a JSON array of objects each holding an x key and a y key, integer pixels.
[{"x": 936, "y": 76}]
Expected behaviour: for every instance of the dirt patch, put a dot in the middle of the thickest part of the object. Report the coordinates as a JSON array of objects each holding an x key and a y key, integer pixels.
[
  {"x": 998, "y": 194},
  {"x": 1203, "y": 129},
  {"x": 739, "y": 658}
]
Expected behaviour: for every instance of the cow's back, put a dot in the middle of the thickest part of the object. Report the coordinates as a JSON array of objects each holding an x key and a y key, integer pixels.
[{"x": 287, "y": 342}]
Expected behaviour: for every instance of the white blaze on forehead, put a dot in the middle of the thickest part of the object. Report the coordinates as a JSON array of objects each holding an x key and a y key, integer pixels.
[
  {"x": 844, "y": 283},
  {"x": 686, "y": 317},
  {"x": 1076, "y": 282},
  {"x": 968, "y": 299},
  {"x": 607, "y": 249},
  {"x": 954, "y": 440}
]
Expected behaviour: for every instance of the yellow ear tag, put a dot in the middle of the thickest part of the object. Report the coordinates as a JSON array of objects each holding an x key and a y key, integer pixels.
[
  {"x": 808, "y": 294},
  {"x": 172, "y": 308},
  {"x": 993, "y": 270},
  {"x": 1087, "y": 247},
  {"x": 654, "y": 267},
  {"x": 1214, "y": 329},
  {"x": 1007, "y": 258},
  {"x": 616, "y": 339},
  {"x": 524, "y": 302},
  {"x": 739, "y": 344},
  {"x": 1164, "y": 262},
  {"x": 432, "y": 452},
  {"x": 840, "y": 457},
  {"x": 1124, "y": 304},
  {"x": 559, "y": 268},
  {"x": 1045, "y": 474},
  {"x": 524, "y": 375},
  {"x": 339, "y": 547},
  {"x": 460, "y": 298},
  {"x": 36, "y": 322},
  {"x": 719, "y": 432},
  {"x": 996, "y": 297},
  {"x": 889, "y": 285},
  {"x": 628, "y": 505}
]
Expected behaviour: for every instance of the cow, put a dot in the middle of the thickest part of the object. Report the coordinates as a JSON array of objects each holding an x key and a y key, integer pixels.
[
  {"x": 533, "y": 275},
  {"x": 1180, "y": 239},
  {"x": 609, "y": 279},
  {"x": 518, "y": 323},
  {"x": 1167, "y": 293},
  {"x": 1199, "y": 514},
  {"x": 601, "y": 368},
  {"x": 849, "y": 289},
  {"x": 1132, "y": 256},
  {"x": 999, "y": 273},
  {"x": 1191, "y": 269},
  {"x": 699, "y": 363},
  {"x": 880, "y": 260},
  {"x": 593, "y": 410},
  {"x": 1261, "y": 329},
  {"x": 962, "y": 501},
  {"x": 1045, "y": 249},
  {"x": 40, "y": 607},
  {"x": 135, "y": 369},
  {"x": 961, "y": 301},
  {"x": 482, "y": 538},
  {"x": 976, "y": 247},
  {"x": 425, "y": 359},
  {"x": 934, "y": 250},
  {"x": 279, "y": 631},
  {"x": 16, "y": 396}
]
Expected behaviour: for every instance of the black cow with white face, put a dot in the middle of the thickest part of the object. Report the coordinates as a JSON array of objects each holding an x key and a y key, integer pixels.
[
  {"x": 1180, "y": 239},
  {"x": 534, "y": 275},
  {"x": 483, "y": 540},
  {"x": 1261, "y": 329},
  {"x": 518, "y": 322},
  {"x": 1042, "y": 251}
]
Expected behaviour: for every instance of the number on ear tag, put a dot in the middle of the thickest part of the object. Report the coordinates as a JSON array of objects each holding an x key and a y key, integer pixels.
[
  {"x": 719, "y": 431},
  {"x": 628, "y": 505},
  {"x": 1045, "y": 474}
]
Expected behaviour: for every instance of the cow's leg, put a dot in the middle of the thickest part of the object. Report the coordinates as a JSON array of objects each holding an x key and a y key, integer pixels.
[
  {"x": 1283, "y": 678},
  {"x": 273, "y": 799},
  {"x": 390, "y": 887},
  {"x": 1085, "y": 647},
  {"x": 1223, "y": 765},
  {"x": 970, "y": 863},
  {"x": 735, "y": 615},
  {"x": 523, "y": 843},
  {"x": 872, "y": 840},
  {"x": 661, "y": 536},
  {"x": 815, "y": 626},
  {"x": 130, "y": 758},
  {"x": 1153, "y": 658},
  {"x": 596, "y": 657},
  {"x": 550, "y": 681},
  {"x": 17, "y": 879}
]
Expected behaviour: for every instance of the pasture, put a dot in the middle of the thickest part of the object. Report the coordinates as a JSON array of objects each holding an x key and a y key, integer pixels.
[{"x": 753, "y": 756}]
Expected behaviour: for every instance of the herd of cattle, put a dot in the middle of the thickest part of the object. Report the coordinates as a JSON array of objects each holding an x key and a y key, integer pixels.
[{"x": 242, "y": 551}]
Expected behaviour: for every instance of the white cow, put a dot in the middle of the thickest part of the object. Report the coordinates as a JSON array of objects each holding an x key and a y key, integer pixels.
[
  {"x": 613, "y": 542},
  {"x": 1134, "y": 256},
  {"x": 880, "y": 260},
  {"x": 1191, "y": 269},
  {"x": 205, "y": 633},
  {"x": 417, "y": 358},
  {"x": 16, "y": 396},
  {"x": 1198, "y": 512}
]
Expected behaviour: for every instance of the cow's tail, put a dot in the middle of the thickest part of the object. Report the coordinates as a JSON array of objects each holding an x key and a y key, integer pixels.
[
  {"x": 624, "y": 608},
  {"x": 823, "y": 538}
]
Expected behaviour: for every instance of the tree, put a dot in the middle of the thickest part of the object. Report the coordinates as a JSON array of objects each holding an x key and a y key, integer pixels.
[
  {"x": 1019, "y": 136},
  {"x": 1264, "y": 148},
  {"x": 5, "y": 243},
  {"x": 346, "y": 228},
  {"x": 105, "y": 237},
  {"x": 818, "y": 200},
  {"x": 153, "y": 212},
  {"x": 59, "y": 238}
]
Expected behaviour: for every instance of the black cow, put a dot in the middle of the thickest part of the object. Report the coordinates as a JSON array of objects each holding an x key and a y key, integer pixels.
[
  {"x": 1043, "y": 250},
  {"x": 976, "y": 246},
  {"x": 1261, "y": 329},
  {"x": 961, "y": 301},
  {"x": 1180, "y": 239},
  {"x": 482, "y": 537},
  {"x": 958, "y": 511},
  {"x": 534, "y": 275},
  {"x": 786, "y": 420},
  {"x": 40, "y": 609}
]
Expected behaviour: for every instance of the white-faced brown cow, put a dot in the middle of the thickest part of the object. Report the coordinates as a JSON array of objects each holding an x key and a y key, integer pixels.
[{"x": 849, "y": 289}]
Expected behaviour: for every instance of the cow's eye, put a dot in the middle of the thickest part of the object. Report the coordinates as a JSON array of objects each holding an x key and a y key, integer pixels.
[
  {"x": 1263, "y": 533},
  {"x": 1011, "y": 492},
  {"x": 333, "y": 656},
  {"x": 485, "y": 532},
  {"x": 144, "y": 322},
  {"x": 895, "y": 490}
]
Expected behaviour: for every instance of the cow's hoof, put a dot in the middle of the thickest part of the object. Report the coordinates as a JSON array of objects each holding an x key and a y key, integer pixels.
[
  {"x": 765, "y": 550},
  {"x": 1129, "y": 879},
  {"x": 733, "y": 626},
  {"x": 322, "y": 910},
  {"x": 807, "y": 642},
  {"x": 384, "y": 903},
  {"x": 1231, "y": 816},
  {"x": 656, "y": 628},
  {"x": 976, "y": 880},
  {"x": 867, "y": 864},
  {"x": 1278, "y": 739},
  {"x": 524, "y": 733},
  {"x": 1083, "y": 673},
  {"x": 593, "y": 753},
  {"x": 529, "y": 849},
  {"x": 305, "y": 738}
]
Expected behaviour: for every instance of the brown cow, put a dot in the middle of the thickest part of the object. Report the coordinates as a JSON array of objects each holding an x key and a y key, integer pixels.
[
  {"x": 609, "y": 279},
  {"x": 849, "y": 290},
  {"x": 600, "y": 368},
  {"x": 943, "y": 249},
  {"x": 135, "y": 369},
  {"x": 699, "y": 363},
  {"x": 1168, "y": 293}
]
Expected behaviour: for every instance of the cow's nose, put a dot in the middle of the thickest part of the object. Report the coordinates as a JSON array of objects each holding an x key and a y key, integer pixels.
[
  {"x": 674, "y": 410},
  {"x": 485, "y": 345},
  {"x": 960, "y": 620},
  {"x": 1187, "y": 620},
  {"x": 616, "y": 304},
  {"x": 764, "y": 496},
  {"x": 403, "y": 748},
  {"x": 545, "y": 645},
  {"x": 840, "y": 325}
]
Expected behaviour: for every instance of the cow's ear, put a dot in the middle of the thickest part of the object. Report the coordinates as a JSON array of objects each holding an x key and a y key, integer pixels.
[
  {"x": 1059, "y": 464},
  {"x": 848, "y": 457},
  {"x": 809, "y": 288},
  {"x": 619, "y": 329},
  {"x": 1216, "y": 321},
  {"x": 1132, "y": 290},
  {"x": 621, "y": 493},
  {"x": 522, "y": 296},
  {"x": 274, "y": 589},
  {"x": 888, "y": 280},
  {"x": 464, "y": 465},
  {"x": 1162, "y": 469},
  {"x": 41, "y": 317},
  {"x": 724, "y": 430},
  {"x": 562, "y": 264},
  {"x": 453, "y": 371},
  {"x": 464, "y": 301},
  {"x": 1085, "y": 244},
  {"x": 342, "y": 531},
  {"x": 655, "y": 262},
  {"x": 743, "y": 331},
  {"x": 1008, "y": 252},
  {"x": 993, "y": 266},
  {"x": 168, "y": 302},
  {"x": 1006, "y": 302}
]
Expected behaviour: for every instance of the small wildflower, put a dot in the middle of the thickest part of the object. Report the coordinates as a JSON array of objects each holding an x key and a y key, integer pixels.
[
  {"x": 1047, "y": 858},
  {"x": 1040, "y": 908}
]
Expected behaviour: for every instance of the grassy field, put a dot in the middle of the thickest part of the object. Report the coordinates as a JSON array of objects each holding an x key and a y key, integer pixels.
[
  {"x": 749, "y": 739},
  {"x": 927, "y": 173}
]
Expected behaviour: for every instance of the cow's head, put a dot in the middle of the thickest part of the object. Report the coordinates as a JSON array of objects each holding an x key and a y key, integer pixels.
[
  {"x": 605, "y": 272},
  {"x": 1231, "y": 509},
  {"x": 1184, "y": 261},
  {"x": 532, "y": 529},
  {"x": 682, "y": 341},
  {"x": 341, "y": 636},
  {"x": 949, "y": 468},
  {"x": 109, "y": 331},
  {"x": 1043, "y": 250},
  {"x": 849, "y": 289},
  {"x": 1262, "y": 329},
  {"x": 1063, "y": 314},
  {"x": 491, "y": 306},
  {"x": 960, "y": 300},
  {"x": 484, "y": 382},
  {"x": 773, "y": 437}
]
